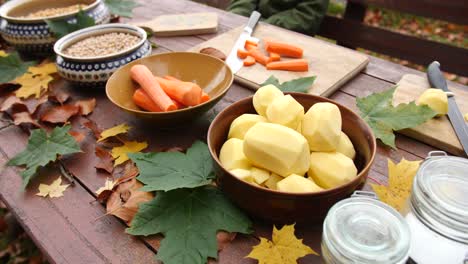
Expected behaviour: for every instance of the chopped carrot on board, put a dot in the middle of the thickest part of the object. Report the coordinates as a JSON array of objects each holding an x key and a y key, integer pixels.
[
  {"x": 289, "y": 65},
  {"x": 283, "y": 49},
  {"x": 249, "y": 61},
  {"x": 250, "y": 47},
  {"x": 274, "y": 56},
  {"x": 242, "y": 53},
  {"x": 250, "y": 42},
  {"x": 259, "y": 56}
]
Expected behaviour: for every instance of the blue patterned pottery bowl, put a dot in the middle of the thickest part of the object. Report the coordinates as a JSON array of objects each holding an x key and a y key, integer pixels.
[
  {"x": 94, "y": 71},
  {"x": 32, "y": 35}
]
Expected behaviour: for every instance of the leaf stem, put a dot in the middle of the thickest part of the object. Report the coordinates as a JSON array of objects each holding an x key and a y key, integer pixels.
[{"x": 66, "y": 173}]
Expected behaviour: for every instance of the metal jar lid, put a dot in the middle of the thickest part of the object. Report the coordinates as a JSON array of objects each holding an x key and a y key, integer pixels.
[
  {"x": 364, "y": 230},
  {"x": 440, "y": 195}
]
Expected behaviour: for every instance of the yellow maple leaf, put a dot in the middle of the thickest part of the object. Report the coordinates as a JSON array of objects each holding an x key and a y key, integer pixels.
[
  {"x": 114, "y": 131},
  {"x": 284, "y": 248},
  {"x": 3, "y": 53},
  {"x": 120, "y": 153},
  {"x": 35, "y": 81},
  {"x": 400, "y": 183},
  {"x": 44, "y": 69},
  {"x": 53, "y": 190},
  {"x": 108, "y": 185}
]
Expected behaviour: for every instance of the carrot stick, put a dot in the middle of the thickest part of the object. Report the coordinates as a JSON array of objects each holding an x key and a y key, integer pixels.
[
  {"x": 290, "y": 65},
  {"x": 259, "y": 56},
  {"x": 204, "y": 98},
  {"x": 249, "y": 61},
  {"x": 142, "y": 100},
  {"x": 250, "y": 42},
  {"x": 283, "y": 49},
  {"x": 274, "y": 56},
  {"x": 250, "y": 47},
  {"x": 187, "y": 93},
  {"x": 142, "y": 75},
  {"x": 242, "y": 53},
  {"x": 172, "y": 78}
]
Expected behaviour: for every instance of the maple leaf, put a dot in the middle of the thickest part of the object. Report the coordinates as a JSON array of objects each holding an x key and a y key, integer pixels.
[
  {"x": 43, "y": 69},
  {"x": 400, "y": 183},
  {"x": 300, "y": 85},
  {"x": 24, "y": 118},
  {"x": 189, "y": 220},
  {"x": 114, "y": 131},
  {"x": 86, "y": 107},
  {"x": 32, "y": 85},
  {"x": 108, "y": 185},
  {"x": 284, "y": 248},
  {"x": 106, "y": 160},
  {"x": 384, "y": 118},
  {"x": 121, "y": 7},
  {"x": 172, "y": 170},
  {"x": 63, "y": 27},
  {"x": 42, "y": 149},
  {"x": 53, "y": 190},
  {"x": 11, "y": 66},
  {"x": 18, "y": 105},
  {"x": 120, "y": 154},
  {"x": 60, "y": 114}
]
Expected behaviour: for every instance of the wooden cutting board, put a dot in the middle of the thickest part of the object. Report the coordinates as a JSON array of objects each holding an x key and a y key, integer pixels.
[
  {"x": 437, "y": 132},
  {"x": 182, "y": 24},
  {"x": 333, "y": 65}
]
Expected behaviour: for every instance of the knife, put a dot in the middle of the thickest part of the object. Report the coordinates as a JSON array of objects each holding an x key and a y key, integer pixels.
[
  {"x": 234, "y": 62},
  {"x": 437, "y": 80}
]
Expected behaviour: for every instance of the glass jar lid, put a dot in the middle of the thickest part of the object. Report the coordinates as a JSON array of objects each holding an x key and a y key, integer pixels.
[
  {"x": 440, "y": 195},
  {"x": 365, "y": 230}
]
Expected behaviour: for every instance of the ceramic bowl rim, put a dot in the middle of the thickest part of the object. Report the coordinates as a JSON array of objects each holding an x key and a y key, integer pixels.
[
  {"x": 8, "y": 6},
  {"x": 326, "y": 192},
  {"x": 220, "y": 94},
  {"x": 97, "y": 30}
]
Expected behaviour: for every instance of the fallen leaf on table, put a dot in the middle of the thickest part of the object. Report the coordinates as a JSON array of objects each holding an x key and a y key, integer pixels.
[
  {"x": 400, "y": 183},
  {"x": 283, "y": 248},
  {"x": 120, "y": 154},
  {"x": 164, "y": 171},
  {"x": 384, "y": 118},
  {"x": 126, "y": 198},
  {"x": 61, "y": 28},
  {"x": 24, "y": 118},
  {"x": 106, "y": 162},
  {"x": 43, "y": 148},
  {"x": 113, "y": 131},
  {"x": 224, "y": 239},
  {"x": 214, "y": 52},
  {"x": 43, "y": 69},
  {"x": 60, "y": 114},
  {"x": 58, "y": 95},
  {"x": 32, "y": 85},
  {"x": 11, "y": 67},
  {"x": 78, "y": 136},
  {"x": 130, "y": 171},
  {"x": 300, "y": 85},
  {"x": 189, "y": 220},
  {"x": 3, "y": 53},
  {"x": 121, "y": 7},
  {"x": 104, "y": 192},
  {"x": 91, "y": 125},
  {"x": 53, "y": 190},
  {"x": 29, "y": 105},
  {"x": 86, "y": 106}
]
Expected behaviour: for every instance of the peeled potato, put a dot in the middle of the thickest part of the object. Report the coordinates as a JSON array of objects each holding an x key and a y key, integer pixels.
[
  {"x": 297, "y": 184},
  {"x": 346, "y": 146},
  {"x": 272, "y": 181},
  {"x": 259, "y": 175},
  {"x": 286, "y": 111},
  {"x": 242, "y": 174},
  {"x": 436, "y": 99},
  {"x": 321, "y": 127},
  {"x": 264, "y": 96},
  {"x": 232, "y": 155},
  {"x": 331, "y": 169},
  {"x": 243, "y": 123},
  {"x": 277, "y": 148}
]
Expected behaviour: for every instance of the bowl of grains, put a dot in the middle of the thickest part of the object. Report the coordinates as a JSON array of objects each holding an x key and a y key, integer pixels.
[
  {"x": 23, "y": 22},
  {"x": 88, "y": 57}
]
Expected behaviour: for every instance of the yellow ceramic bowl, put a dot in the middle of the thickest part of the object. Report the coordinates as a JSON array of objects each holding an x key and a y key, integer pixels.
[{"x": 210, "y": 73}]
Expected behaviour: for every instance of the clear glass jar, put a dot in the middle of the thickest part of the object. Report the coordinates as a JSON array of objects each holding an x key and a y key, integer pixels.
[
  {"x": 362, "y": 229},
  {"x": 438, "y": 216}
]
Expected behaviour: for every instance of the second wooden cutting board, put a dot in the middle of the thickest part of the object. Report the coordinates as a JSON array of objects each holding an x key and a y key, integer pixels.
[{"x": 333, "y": 65}]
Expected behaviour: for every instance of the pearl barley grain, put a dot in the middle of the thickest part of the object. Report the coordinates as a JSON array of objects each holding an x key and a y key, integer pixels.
[
  {"x": 102, "y": 45},
  {"x": 55, "y": 11}
]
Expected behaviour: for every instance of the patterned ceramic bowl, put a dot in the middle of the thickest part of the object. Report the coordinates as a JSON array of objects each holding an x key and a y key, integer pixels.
[
  {"x": 32, "y": 35},
  {"x": 94, "y": 71}
]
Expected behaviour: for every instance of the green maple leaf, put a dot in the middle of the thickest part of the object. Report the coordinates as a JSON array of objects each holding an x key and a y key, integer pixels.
[
  {"x": 164, "y": 171},
  {"x": 121, "y": 7},
  {"x": 384, "y": 118},
  {"x": 189, "y": 220},
  {"x": 42, "y": 149},
  {"x": 12, "y": 67},
  {"x": 300, "y": 85},
  {"x": 61, "y": 27}
]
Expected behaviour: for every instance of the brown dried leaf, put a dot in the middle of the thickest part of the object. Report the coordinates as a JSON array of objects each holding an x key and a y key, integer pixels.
[
  {"x": 60, "y": 114},
  {"x": 130, "y": 172},
  {"x": 214, "y": 52},
  {"x": 123, "y": 202},
  {"x": 18, "y": 105},
  {"x": 58, "y": 95},
  {"x": 77, "y": 135},
  {"x": 106, "y": 162},
  {"x": 86, "y": 106},
  {"x": 105, "y": 191},
  {"x": 24, "y": 118},
  {"x": 224, "y": 239},
  {"x": 93, "y": 127}
]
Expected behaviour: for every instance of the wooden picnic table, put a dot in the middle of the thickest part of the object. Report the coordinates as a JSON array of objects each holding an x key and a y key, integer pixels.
[{"x": 71, "y": 229}]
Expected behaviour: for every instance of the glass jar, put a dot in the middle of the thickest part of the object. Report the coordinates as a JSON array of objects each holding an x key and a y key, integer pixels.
[
  {"x": 362, "y": 229},
  {"x": 438, "y": 216}
]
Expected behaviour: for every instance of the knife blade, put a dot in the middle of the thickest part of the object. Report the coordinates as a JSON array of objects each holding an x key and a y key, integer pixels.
[
  {"x": 437, "y": 80},
  {"x": 234, "y": 62}
]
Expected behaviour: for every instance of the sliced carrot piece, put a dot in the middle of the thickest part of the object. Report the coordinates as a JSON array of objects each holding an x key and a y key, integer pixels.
[
  {"x": 259, "y": 56},
  {"x": 249, "y": 61},
  {"x": 283, "y": 49},
  {"x": 143, "y": 76},
  {"x": 250, "y": 42},
  {"x": 242, "y": 53},
  {"x": 274, "y": 56},
  {"x": 250, "y": 47},
  {"x": 298, "y": 65}
]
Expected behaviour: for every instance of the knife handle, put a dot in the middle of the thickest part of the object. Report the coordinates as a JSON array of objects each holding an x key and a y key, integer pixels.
[
  {"x": 435, "y": 76},
  {"x": 253, "y": 20}
]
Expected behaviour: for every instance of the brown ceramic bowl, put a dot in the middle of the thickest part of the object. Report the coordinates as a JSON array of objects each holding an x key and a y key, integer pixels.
[
  {"x": 283, "y": 207},
  {"x": 212, "y": 74}
]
